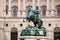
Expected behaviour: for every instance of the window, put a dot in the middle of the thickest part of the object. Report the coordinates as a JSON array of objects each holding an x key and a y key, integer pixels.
[
  {"x": 43, "y": 8},
  {"x": 44, "y": 12},
  {"x": 15, "y": 8},
  {"x": 57, "y": 33},
  {"x": 14, "y": 34},
  {"x": 14, "y": 12},
  {"x": 7, "y": 9},
  {"x": 58, "y": 10}
]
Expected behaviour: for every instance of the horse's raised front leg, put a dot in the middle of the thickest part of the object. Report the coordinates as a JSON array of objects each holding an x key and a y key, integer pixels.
[{"x": 25, "y": 19}]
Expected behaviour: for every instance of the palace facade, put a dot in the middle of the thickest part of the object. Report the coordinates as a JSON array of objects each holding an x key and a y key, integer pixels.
[{"x": 12, "y": 13}]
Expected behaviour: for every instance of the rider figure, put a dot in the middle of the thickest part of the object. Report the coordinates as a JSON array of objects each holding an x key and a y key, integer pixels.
[
  {"x": 33, "y": 15},
  {"x": 36, "y": 11}
]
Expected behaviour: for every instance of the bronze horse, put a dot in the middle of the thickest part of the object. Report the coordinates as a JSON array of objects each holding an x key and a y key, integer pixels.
[{"x": 33, "y": 15}]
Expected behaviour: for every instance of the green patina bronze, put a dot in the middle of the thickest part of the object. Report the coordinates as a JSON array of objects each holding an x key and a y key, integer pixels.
[
  {"x": 33, "y": 15},
  {"x": 36, "y": 30},
  {"x": 33, "y": 31}
]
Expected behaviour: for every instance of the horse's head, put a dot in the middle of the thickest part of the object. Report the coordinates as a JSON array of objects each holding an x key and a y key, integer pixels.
[
  {"x": 26, "y": 19},
  {"x": 29, "y": 9}
]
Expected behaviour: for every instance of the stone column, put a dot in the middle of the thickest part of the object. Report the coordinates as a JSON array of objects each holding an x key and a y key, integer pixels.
[
  {"x": 9, "y": 5},
  {"x": 52, "y": 9},
  {"x": 4, "y": 8},
  {"x": 24, "y": 7},
  {"x": 33, "y": 1},
  {"x": 4, "y": 5},
  {"x": 50, "y": 34},
  {"x": 18, "y": 8},
  {"x": 9, "y": 13},
  {"x": 47, "y": 11}
]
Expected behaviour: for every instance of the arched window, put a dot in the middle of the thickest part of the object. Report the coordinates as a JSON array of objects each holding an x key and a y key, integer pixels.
[
  {"x": 14, "y": 11},
  {"x": 14, "y": 34},
  {"x": 7, "y": 9},
  {"x": 58, "y": 10},
  {"x": 57, "y": 33}
]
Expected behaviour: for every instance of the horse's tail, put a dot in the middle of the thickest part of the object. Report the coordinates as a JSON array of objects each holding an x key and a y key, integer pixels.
[{"x": 40, "y": 24}]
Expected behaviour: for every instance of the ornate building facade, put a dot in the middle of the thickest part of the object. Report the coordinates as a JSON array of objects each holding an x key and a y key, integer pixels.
[{"x": 12, "y": 13}]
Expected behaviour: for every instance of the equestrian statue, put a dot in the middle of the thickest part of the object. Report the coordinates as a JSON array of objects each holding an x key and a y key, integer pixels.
[{"x": 33, "y": 15}]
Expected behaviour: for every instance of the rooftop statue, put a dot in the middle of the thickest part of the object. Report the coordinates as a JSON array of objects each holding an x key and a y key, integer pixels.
[{"x": 33, "y": 15}]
